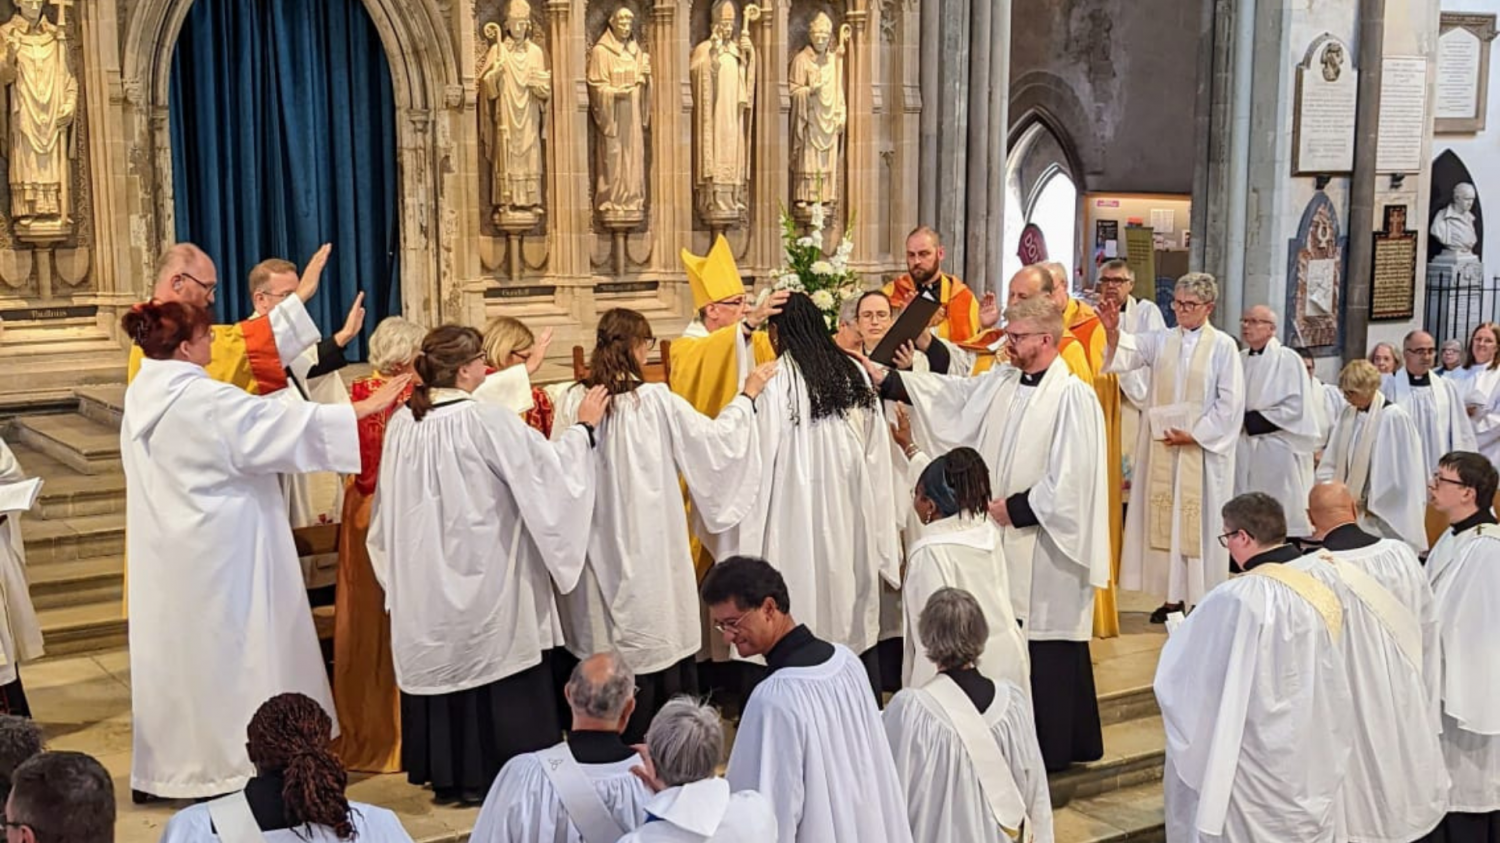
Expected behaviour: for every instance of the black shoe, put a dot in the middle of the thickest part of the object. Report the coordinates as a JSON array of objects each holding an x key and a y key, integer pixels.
[
  {"x": 445, "y": 796},
  {"x": 471, "y": 799},
  {"x": 141, "y": 797},
  {"x": 1160, "y": 615}
]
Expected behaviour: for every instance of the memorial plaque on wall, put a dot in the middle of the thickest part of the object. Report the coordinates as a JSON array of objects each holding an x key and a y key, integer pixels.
[
  {"x": 1393, "y": 288},
  {"x": 1403, "y": 114},
  {"x": 1140, "y": 253},
  {"x": 1323, "y": 120},
  {"x": 1315, "y": 280},
  {"x": 1463, "y": 72}
]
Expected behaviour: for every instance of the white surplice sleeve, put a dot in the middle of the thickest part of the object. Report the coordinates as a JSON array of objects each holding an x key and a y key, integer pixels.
[
  {"x": 552, "y": 483},
  {"x": 1134, "y": 351},
  {"x": 1136, "y": 385},
  {"x": 1458, "y": 417},
  {"x": 1296, "y": 407},
  {"x": 887, "y": 512},
  {"x": 922, "y": 581},
  {"x": 268, "y": 436},
  {"x": 1070, "y": 500},
  {"x": 1218, "y": 429},
  {"x": 768, "y": 757},
  {"x": 1016, "y": 733},
  {"x": 718, "y": 458},
  {"x": 1480, "y": 393},
  {"x": 10, "y": 469},
  {"x": 951, "y": 411},
  {"x": 1398, "y": 479},
  {"x": 293, "y": 330}
]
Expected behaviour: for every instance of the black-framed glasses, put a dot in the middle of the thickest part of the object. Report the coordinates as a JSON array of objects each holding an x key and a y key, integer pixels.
[
  {"x": 1224, "y": 539},
  {"x": 1438, "y": 478},
  {"x": 207, "y": 288},
  {"x": 10, "y": 823},
  {"x": 650, "y": 343},
  {"x": 1181, "y": 304}
]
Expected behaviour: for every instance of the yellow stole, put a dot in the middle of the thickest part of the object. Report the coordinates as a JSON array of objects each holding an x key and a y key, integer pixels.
[
  {"x": 1188, "y": 465},
  {"x": 1309, "y": 588}
]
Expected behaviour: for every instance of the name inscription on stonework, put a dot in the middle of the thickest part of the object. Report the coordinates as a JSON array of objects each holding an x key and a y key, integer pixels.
[
  {"x": 531, "y": 291},
  {"x": 44, "y": 314}
]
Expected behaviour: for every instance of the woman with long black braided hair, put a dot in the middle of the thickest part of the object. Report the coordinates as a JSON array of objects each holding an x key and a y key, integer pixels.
[
  {"x": 826, "y": 514},
  {"x": 297, "y": 794}
]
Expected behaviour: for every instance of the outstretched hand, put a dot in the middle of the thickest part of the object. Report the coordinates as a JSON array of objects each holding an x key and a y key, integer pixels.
[
  {"x": 876, "y": 371},
  {"x": 646, "y": 770},
  {"x": 388, "y": 394},
  {"x": 901, "y": 430},
  {"x": 352, "y": 323},
  {"x": 768, "y": 308},
  {"x": 538, "y": 351},
  {"x": 989, "y": 311},
  {"x": 1109, "y": 317},
  {"x": 312, "y": 276},
  {"x": 755, "y": 384},
  {"x": 904, "y": 357}
]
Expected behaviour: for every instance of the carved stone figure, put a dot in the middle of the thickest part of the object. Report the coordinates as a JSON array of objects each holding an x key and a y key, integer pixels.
[
  {"x": 619, "y": 79},
  {"x": 1454, "y": 225},
  {"x": 723, "y": 79},
  {"x": 43, "y": 94},
  {"x": 515, "y": 86},
  {"x": 819, "y": 114},
  {"x": 1333, "y": 62}
]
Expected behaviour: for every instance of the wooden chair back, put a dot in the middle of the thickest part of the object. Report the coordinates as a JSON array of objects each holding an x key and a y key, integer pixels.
[{"x": 656, "y": 371}]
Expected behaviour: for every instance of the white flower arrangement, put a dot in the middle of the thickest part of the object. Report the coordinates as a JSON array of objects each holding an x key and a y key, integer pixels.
[{"x": 828, "y": 281}]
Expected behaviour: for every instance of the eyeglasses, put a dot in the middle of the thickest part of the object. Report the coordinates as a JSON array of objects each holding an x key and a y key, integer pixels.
[
  {"x": 1111, "y": 281},
  {"x": 731, "y": 303},
  {"x": 275, "y": 296},
  {"x": 1248, "y": 321},
  {"x": 1438, "y": 479},
  {"x": 1181, "y": 304},
  {"x": 207, "y": 288},
  {"x": 1015, "y": 338},
  {"x": 874, "y": 317},
  {"x": 1421, "y": 352},
  {"x": 650, "y": 343},
  {"x": 731, "y": 625},
  {"x": 1224, "y": 539}
]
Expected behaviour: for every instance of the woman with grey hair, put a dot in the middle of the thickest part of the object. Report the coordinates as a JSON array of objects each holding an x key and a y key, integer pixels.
[
  {"x": 959, "y": 546},
  {"x": 684, "y": 747},
  {"x": 1450, "y": 358},
  {"x": 364, "y": 679},
  {"x": 965, "y": 746}
]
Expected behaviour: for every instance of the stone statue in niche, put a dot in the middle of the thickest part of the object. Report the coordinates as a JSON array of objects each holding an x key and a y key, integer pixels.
[
  {"x": 43, "y": 94},
  {"x": 1454, "y": 225},
  {"x": 819, "y": 114},
  {"x": 514, "y": 88},
  {"x": 722, "y": 70},
  {"x": 619, "y": 79}
]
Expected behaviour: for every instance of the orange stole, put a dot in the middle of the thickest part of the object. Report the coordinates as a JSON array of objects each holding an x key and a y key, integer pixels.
[
  {"x": 1084, "y": 323},
  {"x": 963, "y": 309}
]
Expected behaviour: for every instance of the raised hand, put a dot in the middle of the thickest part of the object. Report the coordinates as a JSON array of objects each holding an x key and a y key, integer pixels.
[
  {"x": 591, "y": 410},
  {"x": 989, "y": 311},
  {"x": 646, "y": 771},
  {"x": 538, "y": 351},
  {"x": 353, "y": 322},
  {"x": 904, "y": 357},
  {"x": 875, "y": 370},
  {"x": 755, "y": 384},
  {"x": 1109, "y": 317},
  {"x": 901, "y": 430},
  {"x": 312, "y": 275},
  {"x": 388, "y": 394},
  {"x": 768, "y": 308}
]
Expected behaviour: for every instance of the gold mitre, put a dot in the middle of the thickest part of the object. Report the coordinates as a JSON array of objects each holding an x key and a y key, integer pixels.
[{"x": 713, "y": 277}]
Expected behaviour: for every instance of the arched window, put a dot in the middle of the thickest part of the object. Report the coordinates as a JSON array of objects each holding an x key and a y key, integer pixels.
[{"x": 1040, "y": 190}]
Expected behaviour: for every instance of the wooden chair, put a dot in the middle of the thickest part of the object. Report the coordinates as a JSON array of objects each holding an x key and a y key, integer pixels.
[
  {"x": 657, "y": 371},
  {"x": 315, "y": 541}
]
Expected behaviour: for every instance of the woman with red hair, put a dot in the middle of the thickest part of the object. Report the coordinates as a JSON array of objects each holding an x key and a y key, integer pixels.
[{"x": 219, "y": 615}]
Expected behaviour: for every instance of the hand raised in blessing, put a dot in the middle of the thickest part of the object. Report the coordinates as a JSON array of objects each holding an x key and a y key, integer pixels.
[
  {"x": 388, "y": 394},
  {"x": 313, "y": 274}
]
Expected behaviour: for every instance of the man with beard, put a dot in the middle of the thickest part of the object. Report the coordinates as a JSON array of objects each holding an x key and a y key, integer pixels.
[{"x": 957, "y": 316}]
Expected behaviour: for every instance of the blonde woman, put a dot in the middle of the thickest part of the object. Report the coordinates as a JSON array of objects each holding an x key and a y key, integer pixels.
[
  {"x": 512, "y": 354},
  {"x": 1385, "y": 358},
  {"x": 364, "y": 679}
]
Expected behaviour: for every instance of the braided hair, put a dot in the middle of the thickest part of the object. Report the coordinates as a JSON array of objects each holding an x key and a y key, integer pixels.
[
  {"x": 834, "y": 381},
  {"x": 290, "y": 734},
  {"x": 958, "y": 482},
  {"x": 613, "y": 364}
]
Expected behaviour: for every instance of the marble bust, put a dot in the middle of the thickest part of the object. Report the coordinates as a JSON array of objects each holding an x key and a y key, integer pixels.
[{"x": 1454, "y": 225}]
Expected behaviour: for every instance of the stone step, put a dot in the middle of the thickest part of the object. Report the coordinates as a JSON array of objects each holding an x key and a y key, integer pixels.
[
  {"x": 1129, "y": 815},
  {"x": 52, "y": 375},
  {"x": 1134, "y": 752},
  {"x": 1129, "y": 704},
  {"x": 66, "y": 493},
  {"x": 104, "y": 404},
  {"x": 82, "y": 444},
  {"x": 70, "y": 539},
  {"x": 97, "y": 579},
  {"x": 88, "y": 628}
]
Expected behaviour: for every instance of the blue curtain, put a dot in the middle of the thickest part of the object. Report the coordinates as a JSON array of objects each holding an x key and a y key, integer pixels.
[{"x": 283, "y": 138}]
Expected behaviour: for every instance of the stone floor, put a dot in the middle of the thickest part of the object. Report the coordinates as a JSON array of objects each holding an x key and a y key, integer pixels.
[{"x": 83, "y": 703}]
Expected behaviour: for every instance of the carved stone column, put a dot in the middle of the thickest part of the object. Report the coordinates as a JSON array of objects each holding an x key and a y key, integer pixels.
[
  {"x": 569, "y": 215},
  {"x": 769, "y": 163},
  {"x": 671, "y": 200},
  {"x": 861, "y": 138}
]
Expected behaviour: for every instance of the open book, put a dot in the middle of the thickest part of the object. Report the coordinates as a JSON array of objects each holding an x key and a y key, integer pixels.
[{"x": 21, "y": 496}]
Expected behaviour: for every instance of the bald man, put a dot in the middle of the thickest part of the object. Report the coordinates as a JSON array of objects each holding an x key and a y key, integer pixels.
[
  {"x": 1281, "y": 430},
  {"x": 1393, "y": 663},
  {"x": 252, "y": 354},
  {"x": 988, "y": 347}
]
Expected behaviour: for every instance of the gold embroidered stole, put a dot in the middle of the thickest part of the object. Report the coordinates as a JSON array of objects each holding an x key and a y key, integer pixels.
[
  {"x": 1182, "y": 463},
  {"x": 1309, "y": 588}
]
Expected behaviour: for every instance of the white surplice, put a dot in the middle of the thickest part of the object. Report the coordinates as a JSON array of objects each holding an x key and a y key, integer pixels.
[
  {"x": 706, "y": 812},
  {"x": 1256, "y": 705},
  {"x": 1397, "y": 789},
  {"x": 1464, "y": 571},
  {"x": 1332, "y": 407},
  {"x": 524, "y": 807},
  {"x": 825, "y": 514},
  {"x": 372, "y": 824},
  {"x": 944, "y": 799},
  {"x": 1482, "y": 392},
  {"x": 1139, "y": 317},
  {"x": 1438, "y": 413},
  {"x": 1280, "y": 463},
  {"x": 963, "y": 552},
  {"x": 638, "y": 593},
  {"x": 1046, "y": 441},
  {"x": 1184, "y": 574},
  {"x": 219, "y": 615},
  {"x": 811, "y": 742},
  {"x": 1393, "y": 499},
  {"x": 509, "y": 388},
  {"x": 475, "y": 517},
  {"x": 20, "y": 632}
]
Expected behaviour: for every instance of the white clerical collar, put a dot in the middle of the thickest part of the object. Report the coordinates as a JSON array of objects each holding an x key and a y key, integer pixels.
[{"x": 448, "y": 395}]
